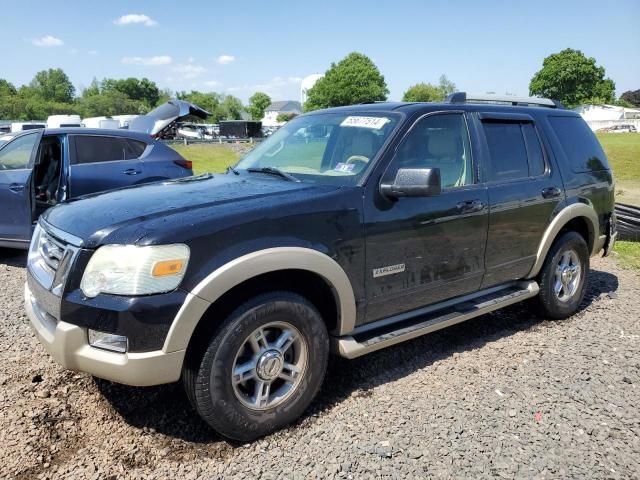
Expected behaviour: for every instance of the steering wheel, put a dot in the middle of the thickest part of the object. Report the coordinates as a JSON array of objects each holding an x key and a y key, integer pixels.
[{"x": 358, "y": 159}]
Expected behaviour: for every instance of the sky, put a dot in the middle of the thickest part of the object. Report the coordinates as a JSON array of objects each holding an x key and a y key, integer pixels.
[{"x": 241, "y": 47}]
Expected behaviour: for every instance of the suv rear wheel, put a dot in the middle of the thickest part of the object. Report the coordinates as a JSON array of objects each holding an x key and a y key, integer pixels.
[
  {"x": 262, "y": 367},
  {"x": 563, "y": 277}
]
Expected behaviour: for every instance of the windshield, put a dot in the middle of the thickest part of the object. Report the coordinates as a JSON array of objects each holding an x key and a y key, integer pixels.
[{"x": 327, "y": 148}]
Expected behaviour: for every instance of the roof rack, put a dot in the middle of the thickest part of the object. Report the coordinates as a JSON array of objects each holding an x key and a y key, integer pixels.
[{"x": 464, "y": 97}]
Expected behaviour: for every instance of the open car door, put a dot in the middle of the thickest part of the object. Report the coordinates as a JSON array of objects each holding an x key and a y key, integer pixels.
[
  {"x": 16, "y": 163},
  {"x": 160, "y": 119}
]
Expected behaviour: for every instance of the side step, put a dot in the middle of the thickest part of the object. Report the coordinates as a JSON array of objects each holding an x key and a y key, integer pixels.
[{"x": 381, "y": 334}]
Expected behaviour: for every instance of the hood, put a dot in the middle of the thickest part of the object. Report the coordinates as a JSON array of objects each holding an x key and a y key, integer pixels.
[
  {"x": 158, "y": 119},
  {"x": 176, "y": 208}
]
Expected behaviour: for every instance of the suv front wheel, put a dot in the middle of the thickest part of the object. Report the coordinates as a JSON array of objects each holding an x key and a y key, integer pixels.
[
  {"x": 262, "y": 367},
  {"x": 563, "y": 277}
]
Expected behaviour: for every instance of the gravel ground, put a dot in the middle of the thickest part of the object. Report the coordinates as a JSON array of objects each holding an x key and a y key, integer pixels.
[{"x": 505, "y": 395}]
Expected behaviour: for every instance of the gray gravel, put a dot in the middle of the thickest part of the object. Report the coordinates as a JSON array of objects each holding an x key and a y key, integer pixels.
[{"x": 506, "y": 395}]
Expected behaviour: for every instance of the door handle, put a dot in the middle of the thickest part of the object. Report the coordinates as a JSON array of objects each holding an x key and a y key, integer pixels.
[
  {"x": 470, "y": 206},
  {"x": 551, "y": 192},
  {"x": 16, "y": 187},
  {"x": 132, "y": 171}
]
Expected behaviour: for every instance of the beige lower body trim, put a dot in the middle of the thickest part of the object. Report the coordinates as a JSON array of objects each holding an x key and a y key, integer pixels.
[{"x": 69, "y": 346}]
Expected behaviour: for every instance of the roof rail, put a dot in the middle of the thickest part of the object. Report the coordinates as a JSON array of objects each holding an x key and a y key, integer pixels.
[{"x": 464, "y": 97}]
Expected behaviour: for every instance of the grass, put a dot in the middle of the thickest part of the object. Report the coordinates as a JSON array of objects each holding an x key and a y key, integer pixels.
[
  {"x": 208, "y": 158},
  {"x": 628, "y": 254},
  {"x": 623, "y": 151}
]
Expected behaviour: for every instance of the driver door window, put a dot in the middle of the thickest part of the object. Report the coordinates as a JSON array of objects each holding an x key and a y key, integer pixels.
[
  {"x": 439, "y": 141},
  {"x": 17, "y": 154}
]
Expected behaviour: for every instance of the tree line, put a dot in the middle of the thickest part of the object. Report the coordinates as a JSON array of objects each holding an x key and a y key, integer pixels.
[
  {"x": 568, "y": 76},
  {"x": 51, "y": 92}
]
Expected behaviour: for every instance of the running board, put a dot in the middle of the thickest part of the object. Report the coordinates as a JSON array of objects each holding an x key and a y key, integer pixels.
[{"x": 381, "y": 334}]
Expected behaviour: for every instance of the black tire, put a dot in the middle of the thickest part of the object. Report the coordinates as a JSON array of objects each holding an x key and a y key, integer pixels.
[
  {"x": 548, "y": 303},
  {"x": 209, "y": 382}
]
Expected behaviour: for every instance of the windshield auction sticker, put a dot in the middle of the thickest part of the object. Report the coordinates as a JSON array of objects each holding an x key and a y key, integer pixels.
[{"x": 375, "y": 123}]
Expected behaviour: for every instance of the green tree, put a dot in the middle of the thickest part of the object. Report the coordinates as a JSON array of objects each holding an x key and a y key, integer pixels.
[
  {"x": 7, "y": 88},
  {"x": 258, "y": 103},
  {"x": 53, "y": 85},
  {"x": 286, "y": 116},
  {"x": 110, "y": 103},
  {"x": 354, "y": 79},
  {"x": 93, "y": 89},
  {"x": 143, "y": 90},
  {"x": 446, "y": 86},
  {"x": 231, "y": 108},
  {"x": 572, "y": 78},
  {"x": 423, "y": 92},
  {"x": 630, "y": 96}
]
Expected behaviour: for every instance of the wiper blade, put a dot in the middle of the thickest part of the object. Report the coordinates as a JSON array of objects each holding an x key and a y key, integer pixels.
[
  {"x": 232, "y": 170},
  {"x": 273, "y": 171}
]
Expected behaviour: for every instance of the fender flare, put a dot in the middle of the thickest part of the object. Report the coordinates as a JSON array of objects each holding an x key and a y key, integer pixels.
[
  {"x": 563, "y": 217},
  {"x": 249, "y": 266}
]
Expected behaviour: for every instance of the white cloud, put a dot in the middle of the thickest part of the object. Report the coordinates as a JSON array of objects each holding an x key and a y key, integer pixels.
[
  {"x": 211, "y": 83},
  {"x": 226, "y": 59},
  {"x": 278, "y": 88},
  {"x": 148, "y": 61},
  {"x": 135, "y": 19},
  {"x": 47, "y": 41},
  {"x": 189, "y": 70}
]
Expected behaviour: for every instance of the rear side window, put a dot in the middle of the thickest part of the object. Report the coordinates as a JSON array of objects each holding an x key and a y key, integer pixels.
[
  {"x": 514, "y": 149},
  {"x": 94, "y": 149},
  {"x": 579, "y": 144},
  {"x": 507, "y": 150},
  {"x": 133, "y": 148}
]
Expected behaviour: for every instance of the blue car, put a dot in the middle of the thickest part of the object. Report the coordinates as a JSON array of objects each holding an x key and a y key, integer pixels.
[{"x": 41, "y": 168}]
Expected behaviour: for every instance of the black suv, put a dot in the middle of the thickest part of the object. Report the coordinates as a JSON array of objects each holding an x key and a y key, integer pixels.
[{"x": 348, "y": 230}]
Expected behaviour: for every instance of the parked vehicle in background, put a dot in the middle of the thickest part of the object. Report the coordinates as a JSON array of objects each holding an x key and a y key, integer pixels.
[
  {"x": 63, "y": 121},
  {"x": 41, "y": 168},
  {"x": 124, "y": 120},
  {"x": 622, "y": 128},
  {"x": 101, "y": 122},
  {"x": 382, "y": 223},
  {"x": 161, "y": 121},
  {"x": 23, "y": 126},
  {"x": 194, "y": 131},
  {"x": 240, "y": 129}
]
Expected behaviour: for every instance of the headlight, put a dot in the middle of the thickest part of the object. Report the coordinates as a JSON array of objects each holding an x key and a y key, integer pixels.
[{"x": 132, "y": 270}]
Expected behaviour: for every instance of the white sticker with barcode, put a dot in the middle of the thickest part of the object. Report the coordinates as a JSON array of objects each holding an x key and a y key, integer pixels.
[{"x": 375, "y": 123}]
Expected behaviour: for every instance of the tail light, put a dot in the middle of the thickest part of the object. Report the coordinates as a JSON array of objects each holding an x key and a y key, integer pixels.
[{"x": 188, "y": 164}]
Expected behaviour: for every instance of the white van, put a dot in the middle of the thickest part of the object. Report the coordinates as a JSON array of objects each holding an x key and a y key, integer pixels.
[
  {"x": 101, "y": 122},
  {"x": 22, "y": 126},
  {"x": 125, "y": 120},
  {"x": 61, "y": 121}
]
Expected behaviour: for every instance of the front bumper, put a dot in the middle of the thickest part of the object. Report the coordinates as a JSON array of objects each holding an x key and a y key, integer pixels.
[{"x": 68, "y": 345}]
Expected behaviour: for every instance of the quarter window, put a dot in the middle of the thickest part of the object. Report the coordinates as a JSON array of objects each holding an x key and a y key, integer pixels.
[
  {"x": 514, "y": 149},
  {"x": 579, "y": 144},
  {"x": 93, "y": 149},
  {"x": 439, "y": 141}
]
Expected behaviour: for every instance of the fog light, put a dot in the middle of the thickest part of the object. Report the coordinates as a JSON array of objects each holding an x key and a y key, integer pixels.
[{"x": 108, "y": 341}]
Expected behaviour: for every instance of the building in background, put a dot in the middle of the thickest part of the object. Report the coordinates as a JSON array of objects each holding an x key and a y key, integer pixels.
[
  {"x": 306, "y": 85},
  {"x": 604, "y": 116},
  {"x": 271, "y": 113}
]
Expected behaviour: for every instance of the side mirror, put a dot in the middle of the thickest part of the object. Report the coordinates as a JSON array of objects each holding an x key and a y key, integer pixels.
[{"x": 413, "y": 182}]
